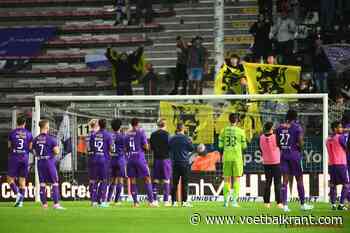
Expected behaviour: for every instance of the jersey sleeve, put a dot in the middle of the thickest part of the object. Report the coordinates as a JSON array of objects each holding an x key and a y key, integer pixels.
[
  {"x": 222, "y": 138},
  {"x": 30, "y": 137},
  {"x": 53, "y": 142},
  {"x": 143, "y": 138},
  {"x": 243, "y": 140},
  {"x": 343, "y": 141}
]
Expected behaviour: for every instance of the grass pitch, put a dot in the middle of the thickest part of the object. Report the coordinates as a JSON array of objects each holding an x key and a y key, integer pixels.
[{"x": 79, "y": 217}]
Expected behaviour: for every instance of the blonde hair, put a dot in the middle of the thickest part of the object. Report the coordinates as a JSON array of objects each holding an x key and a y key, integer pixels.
[{"x": 93, "y": 123}]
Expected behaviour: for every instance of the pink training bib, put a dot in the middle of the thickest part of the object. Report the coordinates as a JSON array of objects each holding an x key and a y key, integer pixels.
[
  {"x": 270, "y": 151},
  {"x": 336, "y": 153}
]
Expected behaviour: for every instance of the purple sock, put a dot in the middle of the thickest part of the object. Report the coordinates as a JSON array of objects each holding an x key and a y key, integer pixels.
[
  {"x": 155, "y": 191},
  {"x": 118, "y": 191},
  {"x": 91, "y": 185},
  {"x": 43, "y": 196},
  {"x": 333, "y": 194},
  {"x": 55, "y": 193},
  {"x": 166, "y": 191},
  {"x": 343, "y": 195},
  {"x": 22, "y": 192},
  {"x": 301, "y": 192},
  {"x": 284, "y": 191},
  {"x": 134, "y": 192},
  {"x": 148, "y": 187},
  {"x": 14, "y": 188},
  {"x": 93, "y": 194},
  {"x": 111, "y": 190},
  {"x": 102, "y": 191}
]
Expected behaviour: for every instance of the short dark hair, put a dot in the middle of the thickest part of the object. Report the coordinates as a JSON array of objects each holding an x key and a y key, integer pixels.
[
  {"x": 268, "y": 126},
  {"x": 335, "y": 124},
  {"x": 116, "y": 124},
  {"x": 180, "y": 126},
  {"x": 102, "y": 123},
  {"x": 134, "y": 122},
  {"x": 21, "y": 120},
  {"x": 235, "y": 56},
  {"x": 291, "y": 115},
  {"x": 178, "y": 38},
  {"x": 161, "y": 123},
  {"x": 43, "y": 123},
  {"x": 233, "y": 117}
]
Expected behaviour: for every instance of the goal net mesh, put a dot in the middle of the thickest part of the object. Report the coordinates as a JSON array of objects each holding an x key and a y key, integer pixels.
[{"x": 204, "y": 120}]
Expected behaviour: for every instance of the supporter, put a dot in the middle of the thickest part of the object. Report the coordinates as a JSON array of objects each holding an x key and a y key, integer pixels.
[
  {"x": 320, "y": 66},
  {"x": 181, "y": 66},
  {"x": 283, "y": 32},
  {"x": 262, "y": 43},
  {"x": 122, "y": 12},
  {"x": 144, "y": 10},
  {"x": 197, "y": 65},
  {"x": 123, "y": 67},
  {"x": 271, "y": 59},
  {"x": 150, "y": 81}
]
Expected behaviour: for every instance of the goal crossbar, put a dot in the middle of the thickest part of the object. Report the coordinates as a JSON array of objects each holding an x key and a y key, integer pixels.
[{"x": 323, "y": 97}]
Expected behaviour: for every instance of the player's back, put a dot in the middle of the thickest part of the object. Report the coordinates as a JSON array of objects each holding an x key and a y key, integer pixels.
[
  {"x": 135, "y": 141},
  {"x": 288, "y": 135},
  {"x": 336, "y": 145},
  {"x": 89, "y": 145},
  {"x": 160, "y": 144},
  {"x": 43, "y": 146},
  {"x": 118, "y": 146},
  {"x": 232, "y": 139},
  {"x": 101, "y": 142},
  {"x": 20, "y": 140}
]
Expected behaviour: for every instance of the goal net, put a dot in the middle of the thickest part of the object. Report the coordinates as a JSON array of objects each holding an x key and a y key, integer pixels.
[{"x": 204, "y": 117}]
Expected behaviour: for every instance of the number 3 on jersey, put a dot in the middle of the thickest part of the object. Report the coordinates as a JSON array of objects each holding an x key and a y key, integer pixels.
[{"x": 230, "y": 141}]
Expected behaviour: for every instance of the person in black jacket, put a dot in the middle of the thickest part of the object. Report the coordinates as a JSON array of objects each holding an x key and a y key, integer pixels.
[
  {"x": 180, "y": 147},
  {"x": 123, "y": 68},
  {"x": 262, "y": 43}
]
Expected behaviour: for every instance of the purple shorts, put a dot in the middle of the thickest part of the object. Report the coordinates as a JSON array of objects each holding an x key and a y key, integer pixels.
[
  {"x": 291, "y": 166},
  {"x": 339, "y": 174},
  {"x": 118, "y": 166},
  {"x": 47, "y": 171},
  {"x": 100, "y": 169},
  {"x": 137, "y": 168},
  {"x": 162, "y": 169},
  {"x": 18, "y": 166}
]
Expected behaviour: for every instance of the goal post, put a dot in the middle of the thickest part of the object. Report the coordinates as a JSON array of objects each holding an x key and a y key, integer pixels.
[{"x": 322, "y": 98}]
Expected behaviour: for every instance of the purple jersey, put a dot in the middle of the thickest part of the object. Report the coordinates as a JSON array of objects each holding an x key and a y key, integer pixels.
[
  {"x": 43, "y": 146},
  {"x": 135, "y": 141},
  {"x": 288, "y": 139},
  {"x": 89, "y": 147},
  {"x": 118, "y": 146},
  {"x": 20, "y": 140},
  {"x": 101, "y": 143}
]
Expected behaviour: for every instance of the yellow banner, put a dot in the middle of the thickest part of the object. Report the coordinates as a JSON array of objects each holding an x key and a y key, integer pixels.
[
  {"x": 228, "y": 81},
  {"x": 238, "y": 39},
  {"x": 249, "y": 10},
  {"x": 239, "y": 52},
  {"x": 271, "y": 79},
  {"x": 242, "y": 24},
  {"x": 198, "y": 119},
  {"x": 250, "y": 119}
]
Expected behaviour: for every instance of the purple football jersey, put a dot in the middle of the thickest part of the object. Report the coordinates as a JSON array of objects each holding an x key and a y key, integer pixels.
[
  {"x": 89, "y": 147},
  {"x": 288, "y": 139},
  {"x": 20, "y": 140},
  {"x": 101, "y": 143},
  {"x": 118, "y": 146},
  {"x": 135, "y": 141},
  {"x": 43, "y": 146}
]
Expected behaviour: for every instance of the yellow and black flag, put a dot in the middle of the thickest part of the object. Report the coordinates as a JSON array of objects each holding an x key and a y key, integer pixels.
[
  {"x": 272, "y": 79},
  {"x": 228, "y": 81},
  {"x": 198, "y": 119}
]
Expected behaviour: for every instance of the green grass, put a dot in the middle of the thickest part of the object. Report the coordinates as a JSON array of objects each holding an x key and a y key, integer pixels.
[{"x": 81, "y": 218}]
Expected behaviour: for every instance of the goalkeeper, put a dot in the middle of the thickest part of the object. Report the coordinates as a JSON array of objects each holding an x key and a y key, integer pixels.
[{"x": 232, "y": 142}]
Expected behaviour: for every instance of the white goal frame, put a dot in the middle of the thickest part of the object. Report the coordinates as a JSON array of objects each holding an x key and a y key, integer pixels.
[{"x": 323, "y": 97}]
